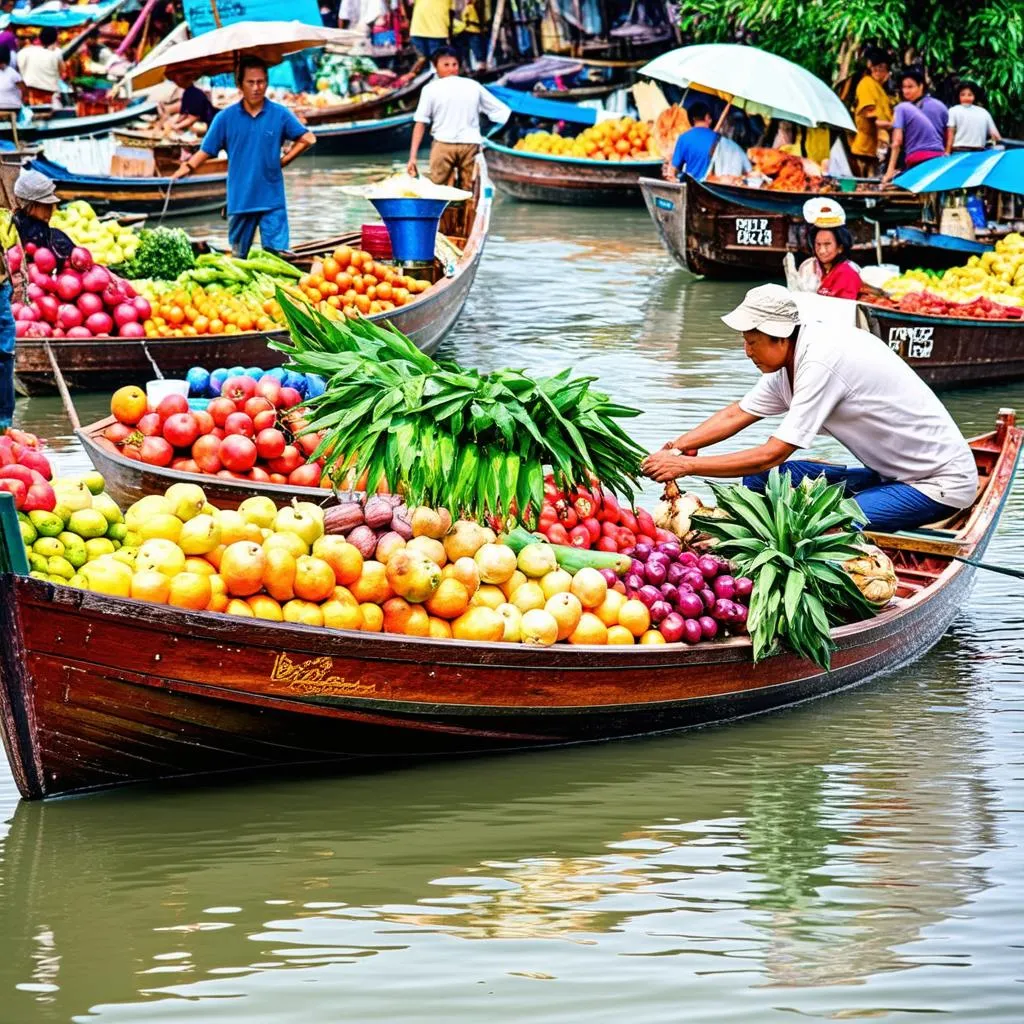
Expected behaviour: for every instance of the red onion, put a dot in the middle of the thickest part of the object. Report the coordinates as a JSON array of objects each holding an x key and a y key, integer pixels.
[
  {"x": 36, "y": 292},
  {"x": 112, "y": 294},
  {"x": 45, "y": 261},
  {"x": 676, "y": 572},
  {"x": 634, "y": 581},
  {"x": 69, "y": 286},
  {"x": 659, "y": 610},
  {"x": 724, "y": 586},
  {"x": 132, "y": 330},
  {"x": 26, "y": 313},
  {"x": 125, "y": 313},
  {"x": 693, "y": 578},
  {"x": 636, "y": 566},
  {"x": 641, "y": 552},
  {"x": 142, "y": 307},
  {"x": 672, "y": 627},
  {"x": 81, "y": 259},
  {"x": 690, "y": 605},
  {"x": 69, "y": 315},
  {"x": 708, "y": 566},
  {"x": 744, "y": 585},
  {"x": 670, "y": 548},
  {"x": 707, "y": 595},
  {"x": 96, "y": 279},
  {"x": 739, "y": 613},
  {"x": 81, "y": 331},
  {"x": 722, "y": 610},
  {"x": 15, "y": 258},
  {"x": 655, "y": 573},
  {"x": 100, "y": 323},
  {"x": 670, "y": 594},
  {"x": 692, "y": 633},
  {"x": 610, "y": 577},
  {"x": 708, "y": 627},
  {"x": 89, "y": 303},
  {"x": 687, "y": 558},
  {"x": 48, "y": 308},
  {"x": 648, "y": 594}
]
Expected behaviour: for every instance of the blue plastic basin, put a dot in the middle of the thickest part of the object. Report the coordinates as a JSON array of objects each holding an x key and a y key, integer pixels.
[{"x": 412, "y": 225}]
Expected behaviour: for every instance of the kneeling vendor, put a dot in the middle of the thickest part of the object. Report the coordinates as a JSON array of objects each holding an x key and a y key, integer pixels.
[{"x": 841, "y": 381}]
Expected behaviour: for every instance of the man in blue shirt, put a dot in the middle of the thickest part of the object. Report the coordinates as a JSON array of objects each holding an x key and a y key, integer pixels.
[
  {"x": 253, "y": 132},
  {"x": 694, "y": 148}
]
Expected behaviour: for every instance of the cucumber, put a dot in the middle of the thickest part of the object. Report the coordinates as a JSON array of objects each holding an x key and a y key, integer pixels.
[{"x": 569, "y": 558}]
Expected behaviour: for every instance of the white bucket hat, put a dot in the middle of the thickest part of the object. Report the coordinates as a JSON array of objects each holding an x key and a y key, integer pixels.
[
  {"x": 824, "y": 213},
  {"x": 768, "y": 308}
]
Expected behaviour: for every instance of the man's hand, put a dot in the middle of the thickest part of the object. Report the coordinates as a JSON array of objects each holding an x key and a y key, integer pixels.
[
  {"x": 183, "y": 169},
  {"x": 677, "y": 444},
  {"x": 411, "y": 169},
  {"x": 663, "y": 466}
]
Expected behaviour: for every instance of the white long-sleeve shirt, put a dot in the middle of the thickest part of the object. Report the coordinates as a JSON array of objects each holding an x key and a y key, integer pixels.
[{"x": 452, "y": 107}]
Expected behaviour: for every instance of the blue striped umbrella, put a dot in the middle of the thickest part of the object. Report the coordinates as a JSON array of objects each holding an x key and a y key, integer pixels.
[{"x": 1001, "y": 169}]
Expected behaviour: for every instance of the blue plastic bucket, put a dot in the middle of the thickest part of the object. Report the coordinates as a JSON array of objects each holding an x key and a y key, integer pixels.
[
  {"x": 412, "y": 225},
  {"x": 976, "y": 208}
]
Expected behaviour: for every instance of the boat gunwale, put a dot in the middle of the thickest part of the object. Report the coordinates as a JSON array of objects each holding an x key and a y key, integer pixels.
[{"x": 573, "y": 160}]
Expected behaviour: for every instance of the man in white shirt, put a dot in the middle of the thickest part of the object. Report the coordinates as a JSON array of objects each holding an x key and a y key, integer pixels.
[
  {"x": 970, "y": 125},
  {"x": 41, "y": 66},
  {"x": 452, "y": 106},
  {"x": 844, "y": 382}
]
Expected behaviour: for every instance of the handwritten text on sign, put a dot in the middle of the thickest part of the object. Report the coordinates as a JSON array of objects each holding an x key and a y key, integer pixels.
[
  {"x": 919, "y": 341},
  {"x": 753, "y": 231}
]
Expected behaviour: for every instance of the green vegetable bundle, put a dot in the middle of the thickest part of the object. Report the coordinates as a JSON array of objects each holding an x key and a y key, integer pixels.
[
  {"x": 473, "y": 443},
  {"x": 780, "y": 539},
  {"x": 162, "y": 255},
  {"x": 220, "y": 268}
]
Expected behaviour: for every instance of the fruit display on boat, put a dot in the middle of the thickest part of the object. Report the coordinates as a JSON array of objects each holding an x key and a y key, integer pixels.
[
  {"x": 615, "y": 140},
  {"x": 987, "y": 287},
  {"x": 109, "y": 242},
  {"x": 25, "y": 472},
  {"x": 192, "y": 310}
]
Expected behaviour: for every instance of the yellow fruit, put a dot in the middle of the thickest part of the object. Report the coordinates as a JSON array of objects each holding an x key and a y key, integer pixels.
[
  {"x": 635, "y": 617},
  {"x": 495, "y": 562},
  {"x": 479, "y": 623},
  {"x": 652, "y": 636},
  {"x": 160, "y": 555},
  {"x": 150, "y": 585},
  {"x": 608, "y": 610},
  {"x": 620, "y": 635},
  {"x": 303, "y": 612},
  {"x": 557, "y": 582},
  {"x": 589, "y": 630},
  {"x": 145, "y": 508},
  {"x": 449, "y": 601},
  {"x": 106, "y": 575},
  {"x": 290, "y": 542},
  {"x": 264, "y": 607},
  {"x": 413, "y": 576},
  {"x": 373, "y": 617},
  {"x": 162, "y": 526},
  {"x": 466, "y": 538},
  {"x": 190, "y": 590},
  {"x": 529, "y": 596},
  {"x": 566, "y": 610},
  {"x": 512, "y": 584},
  {"x": 513, "y": 619},
  {"x": 200, "y": 535},
  {"x": 259, "y": 510},
  {"x": 186, "y": 500},
  {"x": 487, "y": 596},
  {"x": 429, "y": 548},
  {"x": 236, "y": 606},
  {"x": 537, "y": 560},
  {"x": 538, "y": 628},
  {"x": 233, "y": 527},
  {"x": 590, "y": 587},
  {"x": 342, "y": 613}
]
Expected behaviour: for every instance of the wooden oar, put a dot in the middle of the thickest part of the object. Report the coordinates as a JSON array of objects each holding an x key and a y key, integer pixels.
[
  {"x": 62, "y": 387},
  {"x": 1017, "y": 574}
]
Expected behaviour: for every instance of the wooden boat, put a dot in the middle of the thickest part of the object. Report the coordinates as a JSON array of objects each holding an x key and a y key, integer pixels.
[
  {"x": 540, "y": 178},
  {"x": 97, "y": 691},
  {"x": 951, "y": 351},
  {"x": 734, "y": 232},
  {"x": 66, "y": 124},
  {"x": 397, "y": 101},
  {"x": 355, "y": 138},
  {"x": 198, "y": 193},
  {"x": 97, "y": 365}
]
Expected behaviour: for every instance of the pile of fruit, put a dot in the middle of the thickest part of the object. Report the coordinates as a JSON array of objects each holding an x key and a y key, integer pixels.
[
  {"x": 624, "y": 139},
  {"x": 205, "y": 383},
  {"x": 190, "y": 310},
  {"x": 988, "y": 287},
  {"x": 84, "y": 300},
  {"x": 110, "y": 243},
  {"x": 25, "y": 472},
  {"x": 250, "y": 431}
]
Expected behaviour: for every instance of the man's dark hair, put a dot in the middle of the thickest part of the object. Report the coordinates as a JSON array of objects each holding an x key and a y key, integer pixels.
[
  {"x": 698, "y": 111},
  {"x": 974, "y": 87},
  {"x": 875, "y": 55},
  {"x": 247, "y": 63},
  {"x": 47, "y": 35},
  {"x": 914, "y": 74},
  {"x": 443, "y": 51}
]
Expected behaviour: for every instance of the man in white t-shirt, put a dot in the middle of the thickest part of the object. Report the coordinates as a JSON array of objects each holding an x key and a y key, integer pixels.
[
  {"x": 452, "y": 106},
  {"x": 970, "y": 125},
  {"x": 844, "y": 382},
  {"x": 41, "y": 66}
]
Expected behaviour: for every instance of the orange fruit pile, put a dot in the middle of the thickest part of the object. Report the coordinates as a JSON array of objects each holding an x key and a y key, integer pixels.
[
  {"x": 187, "y": 314},
  {"x": 624, "y": 139}
]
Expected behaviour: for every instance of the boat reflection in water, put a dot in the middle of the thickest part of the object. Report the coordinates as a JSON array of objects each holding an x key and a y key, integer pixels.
[{"x": 808, "y": 848}]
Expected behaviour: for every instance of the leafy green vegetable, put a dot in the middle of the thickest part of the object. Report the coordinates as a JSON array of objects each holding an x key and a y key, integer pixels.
[
  {"x": 162, "y": 255},
  {"x": 474, "y": 443},
  {"x": 780, "y": 540}
]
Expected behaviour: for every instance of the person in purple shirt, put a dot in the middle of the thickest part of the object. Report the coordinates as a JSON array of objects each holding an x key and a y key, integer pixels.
[{"x": 918, "y": 125}]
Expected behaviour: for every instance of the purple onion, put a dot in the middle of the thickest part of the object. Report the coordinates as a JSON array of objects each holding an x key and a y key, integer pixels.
[
  {"x": 648, "y": 594},
  {"x": 690, "y": 605},
  {"x": 744, "y": 585},
  {"x": 739, "y": 613},
  {"x": 641, "y": 552},
  {"x": 660, "y": 558},
  {"x": 694, "y": 578},
  {"x": 634, "y": 581},
  {"x": 675, "y": 572},
  {"x": 724, "y": 586},
  {"x": 708, "y": 627},
  {"x": 692, "y": 633},
  {"x": 709, "y": 567},
  {"x": 655, "y": 573},
  {"x": 636, "y": 566},
  {"x": 659, "y": 610},
  {"x": 707, "y": 595},
  {"x": 672, "y": 627},
  {"x": 670, "y": 594},
  {"x": 609, "y": 577},
  {"x": 687, "y": 558},
  {"x": 722, "y": 610},
  {"x": 668, "y": 547}
]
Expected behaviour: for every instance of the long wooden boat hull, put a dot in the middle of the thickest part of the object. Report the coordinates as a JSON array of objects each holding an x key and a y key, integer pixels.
[
  {"x": 537, "y": 178},
  {"x": 732, "y": 233},
  {"x": 396, "y": 101},
  {"x": 60, "y": 127},
  {"x": 357, "y": 138},
  {"x": 98, "y": 691},
  {"x": 99, "y": 365},
  {"x": 951, "y": 351},
  {"x": 195, "y": 194}
]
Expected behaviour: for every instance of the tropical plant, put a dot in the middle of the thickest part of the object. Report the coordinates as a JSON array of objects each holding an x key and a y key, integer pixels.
[
  {"x": 475, "y": 443},
  {"x": 781, "y": 539}
]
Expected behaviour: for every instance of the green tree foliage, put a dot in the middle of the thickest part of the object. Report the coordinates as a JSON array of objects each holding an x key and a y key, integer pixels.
[{"x": 983, "y": 40}]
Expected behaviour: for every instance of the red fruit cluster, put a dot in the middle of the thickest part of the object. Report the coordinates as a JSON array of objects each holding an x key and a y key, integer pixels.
[
  {"x": 84, "y": 300},
  {"x": 589, "y": 518},
  {"x": 927, "y": 304},
  {"x": 251, "y": 432},
  {"x": 25, "y": 472}
]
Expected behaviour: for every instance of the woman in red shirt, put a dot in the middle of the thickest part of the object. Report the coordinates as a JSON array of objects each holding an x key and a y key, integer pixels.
[{"x": 839, "y": 277}]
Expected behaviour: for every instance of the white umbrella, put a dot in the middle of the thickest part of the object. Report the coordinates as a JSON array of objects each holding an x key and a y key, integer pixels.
[
  {"x": 753, "y": 80},
  {"x": 216, "y": 52}
]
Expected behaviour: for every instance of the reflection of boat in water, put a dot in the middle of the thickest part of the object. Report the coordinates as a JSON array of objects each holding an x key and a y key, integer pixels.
[{"x": 570, "y": 843}]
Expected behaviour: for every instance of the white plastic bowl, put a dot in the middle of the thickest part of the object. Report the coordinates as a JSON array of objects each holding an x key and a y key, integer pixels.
[{"x": 158, "y": 390}]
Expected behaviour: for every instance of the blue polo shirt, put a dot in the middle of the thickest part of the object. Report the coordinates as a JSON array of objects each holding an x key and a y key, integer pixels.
[
  {"x": 693, "y": 151},
  {"x": 253, "y": 144}
]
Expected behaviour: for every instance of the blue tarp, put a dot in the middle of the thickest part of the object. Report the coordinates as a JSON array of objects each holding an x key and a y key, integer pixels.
[
  {"x": 1000, "y": 169},
  {"x": 550, "y": 110},
  {"x": 70, "y": 17}
]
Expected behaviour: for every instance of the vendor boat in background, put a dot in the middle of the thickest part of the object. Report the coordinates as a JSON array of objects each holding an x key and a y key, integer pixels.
[
  {"x": 97, "y": 691},
  {"x": 65, "y": 123}
]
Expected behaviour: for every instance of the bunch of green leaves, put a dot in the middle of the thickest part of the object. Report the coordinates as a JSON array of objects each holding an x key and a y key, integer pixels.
[
  {"x": 781, "y": 539},
  {"x": 162, "y": 255},
  {"x": 475, "y": 443}
]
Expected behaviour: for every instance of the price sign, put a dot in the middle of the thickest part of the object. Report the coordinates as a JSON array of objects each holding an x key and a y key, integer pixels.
[{"x": 756, "y": 231}]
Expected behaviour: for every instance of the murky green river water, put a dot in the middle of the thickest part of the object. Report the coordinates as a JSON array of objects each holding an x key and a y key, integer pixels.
[{"x": 858, "y": 857}]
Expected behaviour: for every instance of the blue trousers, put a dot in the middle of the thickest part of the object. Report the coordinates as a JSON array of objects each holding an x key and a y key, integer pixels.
[
  {"x": 888, "y": 505},
  {"x": 7, "y": 342},
  {"x": 273, "y": 225},
  {"x": 427, "y": 45}
]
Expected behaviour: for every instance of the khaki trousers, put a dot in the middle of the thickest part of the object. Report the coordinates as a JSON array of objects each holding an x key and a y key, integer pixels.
[{"x": 453, "y": 163}]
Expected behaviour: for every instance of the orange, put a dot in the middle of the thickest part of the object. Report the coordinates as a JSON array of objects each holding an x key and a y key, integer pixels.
[
  {"x": 384, "y": 290},
  {"x": 620, "y": 635},
  {"x": 176, "y": 315},
  {"x": 343, "y": 282},
  {"x": 343, "y": 558},
  {"x": 652, "y": 636},
  {"x": 405, "y": 618},
  {"x": 372, "y": 584},
  {"x": 264, "y": 607},
  {"x": 242, "y": 567},
  {"x": 566, "y": 611},
  {"x": 635, "y": 617},
  {"x": 286, "y": 541},
  {"x": 609, "y": 608},
  {"x": 439, "y": 629},
  {"x": 314, "y": 579},
  {"x": 238, "y": 607},
  {"x": 479, "y": 623},
  {"x": 218, "y": 595},
  {"x": 216, "y": 325},
  {"x": 449, "y": 601},
  {"x": 487, "y": 596},
  {"x": 331, "y": 268},
  {"x": 199, "y": 565},
  {"x": 304, "y": 613},
  {"x": 150, "y": 585},
  {"x": 362, "y": 303},
  {"x": 373, "y": 618},
  {"x": 279, "y": 573},
  {"x": 342, "y": 611},
  {"x": 589, "y": 630},
  {"x": 190, "y": 590}
]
